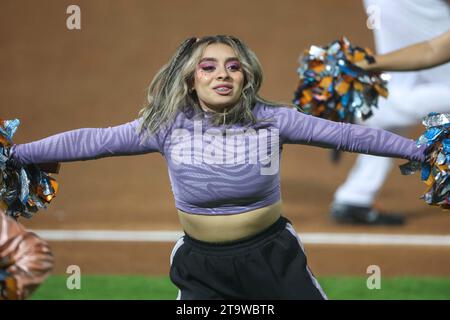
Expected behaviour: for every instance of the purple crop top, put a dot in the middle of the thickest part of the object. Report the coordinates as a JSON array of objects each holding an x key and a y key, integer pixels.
[{"x": 215, "y": 171}]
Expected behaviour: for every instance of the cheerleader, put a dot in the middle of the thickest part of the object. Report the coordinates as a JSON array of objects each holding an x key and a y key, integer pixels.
[{"x": 222, "y": 143}]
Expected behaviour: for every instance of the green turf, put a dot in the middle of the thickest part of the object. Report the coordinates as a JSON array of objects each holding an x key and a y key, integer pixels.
[
  {"x": 405, "y": 288},
  {"x": 141, "y": 287},
  {"x": 108, "y": 287}
]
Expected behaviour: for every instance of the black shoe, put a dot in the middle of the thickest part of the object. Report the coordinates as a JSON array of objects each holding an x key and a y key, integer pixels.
[{"x": 349, "y": 214}]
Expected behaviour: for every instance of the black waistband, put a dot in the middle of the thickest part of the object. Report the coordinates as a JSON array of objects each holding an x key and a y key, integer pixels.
[{"x": 255, "y": 240}]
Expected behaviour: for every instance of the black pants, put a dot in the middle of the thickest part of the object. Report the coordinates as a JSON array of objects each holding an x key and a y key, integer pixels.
[{"x": 270, "y": 265}]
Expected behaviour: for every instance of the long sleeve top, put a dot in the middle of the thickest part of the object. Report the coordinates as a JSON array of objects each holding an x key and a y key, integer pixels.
[{"x": 220, "y": 170}]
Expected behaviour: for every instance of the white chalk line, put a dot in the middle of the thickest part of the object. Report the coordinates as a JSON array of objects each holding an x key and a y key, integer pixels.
[{"x": 307, "y": 237}]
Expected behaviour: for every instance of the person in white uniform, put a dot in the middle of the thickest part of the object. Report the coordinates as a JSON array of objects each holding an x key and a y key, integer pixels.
[{"x": 412, "y": 95}]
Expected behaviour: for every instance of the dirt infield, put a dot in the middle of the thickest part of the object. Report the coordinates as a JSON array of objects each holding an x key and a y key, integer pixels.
[
  {"x": 153, "y": 259},
  {"x": 54, "y": 80}
]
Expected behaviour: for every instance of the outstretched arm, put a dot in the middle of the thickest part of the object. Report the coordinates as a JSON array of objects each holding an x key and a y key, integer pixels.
[
  {"x": 86, "y": 144},
  {"x": 423, "y": 55},
  {"x": 299, "y": 128}
]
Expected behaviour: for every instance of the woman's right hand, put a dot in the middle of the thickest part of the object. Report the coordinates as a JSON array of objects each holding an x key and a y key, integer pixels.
[{"x": 12, "y": 163}]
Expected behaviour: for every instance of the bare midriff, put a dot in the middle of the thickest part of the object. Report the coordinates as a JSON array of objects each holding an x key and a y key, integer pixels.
[{"x": 230, "y": 227}]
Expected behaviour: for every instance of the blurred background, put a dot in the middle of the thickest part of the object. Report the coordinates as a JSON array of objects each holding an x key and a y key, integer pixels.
[{"x": 54, "y": 79}]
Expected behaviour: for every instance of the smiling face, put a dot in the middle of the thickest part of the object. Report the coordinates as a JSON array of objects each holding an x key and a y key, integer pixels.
[{"x": 218, "y": 78}]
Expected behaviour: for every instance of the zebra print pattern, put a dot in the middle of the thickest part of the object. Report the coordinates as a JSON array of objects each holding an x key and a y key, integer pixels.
[{"x": 208, "y": 173}]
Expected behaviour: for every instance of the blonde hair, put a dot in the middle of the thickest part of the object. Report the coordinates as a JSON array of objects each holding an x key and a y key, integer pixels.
[{"x": 169, "y": 92}]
